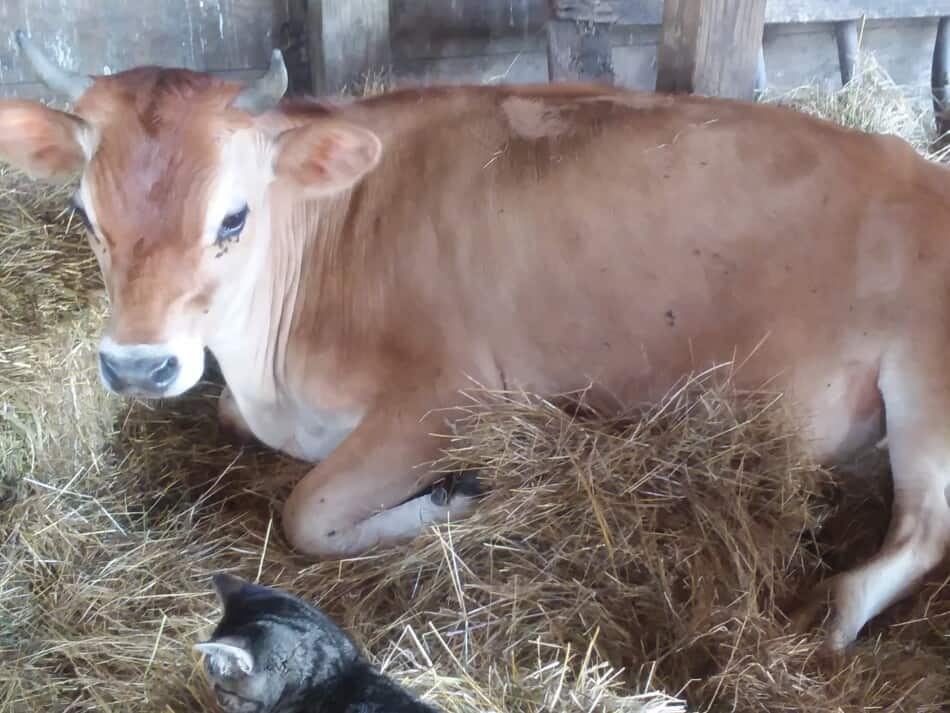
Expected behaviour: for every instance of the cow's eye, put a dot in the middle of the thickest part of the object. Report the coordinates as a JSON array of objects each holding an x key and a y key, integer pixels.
[{"x": 232, "y": 225}]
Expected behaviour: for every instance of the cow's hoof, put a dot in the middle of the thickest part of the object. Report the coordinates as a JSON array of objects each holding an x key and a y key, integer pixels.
[
  {"x": 467, "y": 483},
  {"x": 439, "y": 495},
  {"x": 823, "y": 615},
  {"x": 464, "y": 484}
]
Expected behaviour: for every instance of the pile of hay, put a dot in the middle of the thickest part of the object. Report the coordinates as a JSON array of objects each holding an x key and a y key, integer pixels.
[
  {"x": 634, "y": 565},
  {"x": 871, "y": 101}
]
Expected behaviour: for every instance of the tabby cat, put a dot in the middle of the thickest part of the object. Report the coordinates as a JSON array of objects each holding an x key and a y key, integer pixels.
[{"x": 274, "y": 653}]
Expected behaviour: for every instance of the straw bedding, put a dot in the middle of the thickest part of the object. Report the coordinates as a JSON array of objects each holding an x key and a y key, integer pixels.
[{"x": 642, "y": 564}]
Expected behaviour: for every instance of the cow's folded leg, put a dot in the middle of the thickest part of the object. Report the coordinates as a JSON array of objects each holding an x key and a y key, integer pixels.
[
  {"x": 367, "y": 492},
  {"x": 917, "y": 400}
]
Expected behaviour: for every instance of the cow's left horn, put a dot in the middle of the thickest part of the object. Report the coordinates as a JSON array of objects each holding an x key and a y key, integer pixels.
[
  {"x": 266, "y": 92},
  {"x": 67, "y": 84}
]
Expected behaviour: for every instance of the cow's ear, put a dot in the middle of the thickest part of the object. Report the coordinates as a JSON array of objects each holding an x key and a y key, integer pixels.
[
  {"x": 43, "y": 142},
  {"x": 324, "y": 157}
]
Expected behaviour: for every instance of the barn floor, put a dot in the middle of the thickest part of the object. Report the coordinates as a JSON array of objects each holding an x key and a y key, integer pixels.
[{"x": 639, "y": 565}]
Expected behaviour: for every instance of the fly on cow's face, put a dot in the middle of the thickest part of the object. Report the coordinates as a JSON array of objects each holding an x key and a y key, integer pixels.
[{"x": 230, "y": 229}]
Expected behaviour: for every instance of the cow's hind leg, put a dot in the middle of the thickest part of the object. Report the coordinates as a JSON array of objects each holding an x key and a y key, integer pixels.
[
  {"x": 917, "y": 402},
  {"x": 371, "y": 490}
]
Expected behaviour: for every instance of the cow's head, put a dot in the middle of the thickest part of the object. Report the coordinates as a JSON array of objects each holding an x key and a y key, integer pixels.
[{"x": 178, "y": 170}]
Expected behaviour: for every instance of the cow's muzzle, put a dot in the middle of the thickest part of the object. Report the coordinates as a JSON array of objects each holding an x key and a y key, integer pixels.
[{"x": 138, "y": 373}]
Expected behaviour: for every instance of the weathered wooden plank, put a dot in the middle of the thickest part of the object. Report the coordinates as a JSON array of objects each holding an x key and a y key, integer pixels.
[
  {"x": 633, "y": 52},
  {"x": 439, "y": 29},
  {"x": 621, "y": 12},
  {"x": 710, "y": 47},
  {"x": 650, "y": 12},
  {"x": 635, "y": 64},
  {"x": 291, "y": 38},
  {"x": 807, "y": 54},
  {"x": 679, "y": 38},
  {"x": 511, "y": 68},
  {"x": 463, "y": 28},
  {"x": 903, "y": 49},
  {"x": 349, "y": 40},
  {"x": 794, "y": 55},
  {"x": 579, "y": 51},
  {"x": 797, "y": 11},
  {"x": 35, "y": 90},
  {"x": 509, "y": 43},
  {"x": 97, "y": 37}
]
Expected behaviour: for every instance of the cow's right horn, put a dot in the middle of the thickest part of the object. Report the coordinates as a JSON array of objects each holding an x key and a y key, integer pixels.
[
  {"x": 265, "y": 93},
  {"x": 67, "y": 84}
]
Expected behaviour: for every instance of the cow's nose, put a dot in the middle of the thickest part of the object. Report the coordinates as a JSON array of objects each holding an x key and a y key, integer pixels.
[{"x": 151, "y": 374}]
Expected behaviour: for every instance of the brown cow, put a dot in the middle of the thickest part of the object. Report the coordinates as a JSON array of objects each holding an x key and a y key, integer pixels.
[{"x": 394, "y": 249}]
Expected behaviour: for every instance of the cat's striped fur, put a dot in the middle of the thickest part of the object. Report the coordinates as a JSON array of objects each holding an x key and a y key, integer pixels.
[{"x": 274, "y": 653}]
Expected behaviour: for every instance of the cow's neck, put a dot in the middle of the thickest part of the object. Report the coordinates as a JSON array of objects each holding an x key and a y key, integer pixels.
[
  {"x": 251, "y": 345},
  {"x": 274, "y": 344},
  {"x": 300, "y": 301}
]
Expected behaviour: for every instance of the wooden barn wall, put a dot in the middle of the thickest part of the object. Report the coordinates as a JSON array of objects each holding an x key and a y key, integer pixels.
[
  {"x": 490, "y": 40},
  {"x": 432, "y": 41},
  {"x": 229, "y": 37}
]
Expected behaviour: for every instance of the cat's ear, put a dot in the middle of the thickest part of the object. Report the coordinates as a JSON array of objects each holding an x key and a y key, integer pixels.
[
  {"x": 227, "y": 656},
  {"x": 227, "y": 586}
]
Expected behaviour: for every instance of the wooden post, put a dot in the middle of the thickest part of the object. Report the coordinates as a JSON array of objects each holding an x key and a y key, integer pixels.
[
  {"x": 577, "y": 50},
  {"x": 846, "y": 35},
  {"x": 939, "y": 78},
  {"x": 291, "y": 33},
  {"x": 761, "y": 75},
  {"x": 349, "y": 40},
  {"x": 710, "y": 47}
]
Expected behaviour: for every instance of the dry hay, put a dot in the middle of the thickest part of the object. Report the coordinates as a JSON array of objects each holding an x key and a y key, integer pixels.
[
  {"x": 615, "y": 561},
  {"x": 871, "y": 101}
]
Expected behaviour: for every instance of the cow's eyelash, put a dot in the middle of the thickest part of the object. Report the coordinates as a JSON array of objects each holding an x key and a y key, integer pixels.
[{"x": 230, "y": 230}]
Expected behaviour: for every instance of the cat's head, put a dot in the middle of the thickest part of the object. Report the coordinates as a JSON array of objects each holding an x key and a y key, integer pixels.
[{"x": 270, "y": 648}]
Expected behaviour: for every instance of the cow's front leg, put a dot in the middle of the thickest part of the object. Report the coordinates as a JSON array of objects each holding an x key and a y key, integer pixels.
[
  {"x": 367, "y": 491},
  {"x": 917, "y": 400}
]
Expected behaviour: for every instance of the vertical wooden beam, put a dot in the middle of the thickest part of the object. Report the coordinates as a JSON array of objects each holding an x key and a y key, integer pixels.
[
  {"x": 939, "y": 76},
  {"x": 710, "y": 47},
  {"x": 761, "y": 74},
  {"x": 577, "y": 50},
  {"x": 349, "y": 40},
  {"x": 846, "y": 35},
  {"x": 290, "y": 17}
]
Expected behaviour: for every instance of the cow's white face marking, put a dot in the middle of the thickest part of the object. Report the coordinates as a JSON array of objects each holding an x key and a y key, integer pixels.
[
  {"x": 243, "y": 175},
  {"x": 232, "y": 247},
  {"x": 182, "y": 358}
]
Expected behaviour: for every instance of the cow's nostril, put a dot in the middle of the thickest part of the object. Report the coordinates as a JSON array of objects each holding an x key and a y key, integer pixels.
[
  {"x": 109, "y": 370},
  {"x": 165, "y": 372}
]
